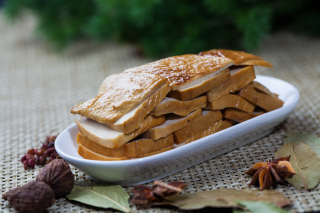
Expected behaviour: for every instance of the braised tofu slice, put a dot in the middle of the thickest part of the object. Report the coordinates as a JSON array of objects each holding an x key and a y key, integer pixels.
[
  {"x": 133, "y": 119},
  {"x": 196, "y": 90},
  {"x": 231, "y": 101},
  {"x": 173, "y": 123},
  {"x": 88, "y": 154},
  {"x": 239, "y": 57},
  {"x": 187, "y": 71},
  {"x": 109, "y": 138},
  {"x": 119, "y": 94},
  {"x": 183, "y": 108},
  {"x": 239, "y": 115},
  {"x": 200, "y": 124},
  {"x": 241, "y": 76},
  {"x": 212, "y": 129},
  {"x": 261, "y": 98},
  {"x": 226, "y": 123},
  {"x": 135, "y": 148}
]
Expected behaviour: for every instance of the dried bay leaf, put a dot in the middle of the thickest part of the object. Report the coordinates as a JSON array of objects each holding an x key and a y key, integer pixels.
[
  {"x": 102, "y": 196},
  {"x": 262, "y": 207},
  {"x": 224, "y": 198},
  {"x": 305, "y": 162},
  {"x": 311, "y": 140}
]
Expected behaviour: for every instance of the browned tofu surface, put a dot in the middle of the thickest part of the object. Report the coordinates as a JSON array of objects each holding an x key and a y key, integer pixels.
[
  {"x": 212, "y": 129},
  {"x": 200, "y": 124},
  {"x": 239, "y": 57},
  {"x": 107, "y": 137},
  {"x": 239, "y": 115},
  {"x": 172, "y": 124},
  {"x": 240, "y": 77},
  {"x": 135, "y": 148},
  {"x": 261, "y": 99},
  {"x": 183, "y": 108},
  {"x": 231, "y": 101},
  {"x": 226, "y": 123},
  {"x": 134, "y": 119},
  {"x": 195, "y": 91},
  {"x": 119, "y": 94},
  {"x": 88, "y": 154},
  {"x": 185, "y": 70}
]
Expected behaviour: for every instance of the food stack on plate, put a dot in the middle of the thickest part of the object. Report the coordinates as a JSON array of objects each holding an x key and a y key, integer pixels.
[{"x": 168, "y": 103}]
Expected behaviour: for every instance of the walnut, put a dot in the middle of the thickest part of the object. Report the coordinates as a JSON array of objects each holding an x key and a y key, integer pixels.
[
  {"x": 32, "y": 197},
  {"x": 58, "y": 176}
]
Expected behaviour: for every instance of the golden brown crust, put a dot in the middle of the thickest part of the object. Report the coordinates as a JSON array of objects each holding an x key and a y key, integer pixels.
[
  {"x": 118, "y": 94},
  {"x": 239, "y": 57},
  {"x": 192, "y": 92},
  {"x": 231, "y": 101},
  {"x": 180, "y": 70},
  {"x": 133, "y": 119},
  {"x": 240, "y": 77},
  {"x": 262, "y": 99},
  {"x": 136, "y": 148}
]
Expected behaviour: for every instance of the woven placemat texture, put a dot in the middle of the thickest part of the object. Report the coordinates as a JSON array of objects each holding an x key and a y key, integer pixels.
[{"x": 39, "y": 86}]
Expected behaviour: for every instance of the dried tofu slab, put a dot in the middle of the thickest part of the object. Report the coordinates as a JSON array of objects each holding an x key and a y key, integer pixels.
[
  {"x": 136, "y": 148},
  {"x": 198, "y": 125},
  {"x": 231, "y": 101},
  {"x": 118, "y": 94},
  {"x": 261, "y": 99},
  {"x": 90, "y": 155},
  {"x": 239, "y": 115},
  {"x": 172, "y": 124},
  {"x": 110, "y": 138},
  {"x": 196, "y": 90},
  {"x": 240, "y": 77},
  {"x": 239, "y": 57},
  {"x": 183, "y": 108},
  {"x": 133, "y": 119},
  {"x": 226, "y": 123},
  {"x": 212, "y": 129},
  {"x": 185, "y": 71}
]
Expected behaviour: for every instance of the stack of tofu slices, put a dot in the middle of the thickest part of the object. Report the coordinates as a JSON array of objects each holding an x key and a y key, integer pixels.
[{"x": 168, "y": 103}]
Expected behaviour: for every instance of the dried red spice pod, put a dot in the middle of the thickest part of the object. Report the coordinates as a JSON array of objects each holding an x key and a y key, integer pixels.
[
  {"x": 33, "y": 197},
  {"x": 160, "y": 191},
  {"x": 58, "y": 176},
  {"x": 166, "y": 190}
]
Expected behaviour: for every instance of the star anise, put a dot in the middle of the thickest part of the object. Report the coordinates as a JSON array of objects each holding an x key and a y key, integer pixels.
[{"x": 267, "y": 173}]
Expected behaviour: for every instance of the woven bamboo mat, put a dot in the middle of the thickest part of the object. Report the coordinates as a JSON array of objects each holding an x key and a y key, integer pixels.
[{"x": 39, "y": 87}]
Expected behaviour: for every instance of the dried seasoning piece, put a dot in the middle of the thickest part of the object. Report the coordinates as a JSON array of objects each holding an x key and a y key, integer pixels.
[
  {"x": 267, "y": 173},
  {"x": 160, "y": 191},
  {"x": 44, "y": 155}
]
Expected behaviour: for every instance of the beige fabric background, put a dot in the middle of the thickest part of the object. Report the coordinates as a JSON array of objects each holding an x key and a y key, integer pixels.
[{"x": 38, "y": 87}]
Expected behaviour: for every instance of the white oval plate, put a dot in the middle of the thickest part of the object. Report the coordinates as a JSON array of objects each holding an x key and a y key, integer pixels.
[{"x": 142, "y": 170}]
